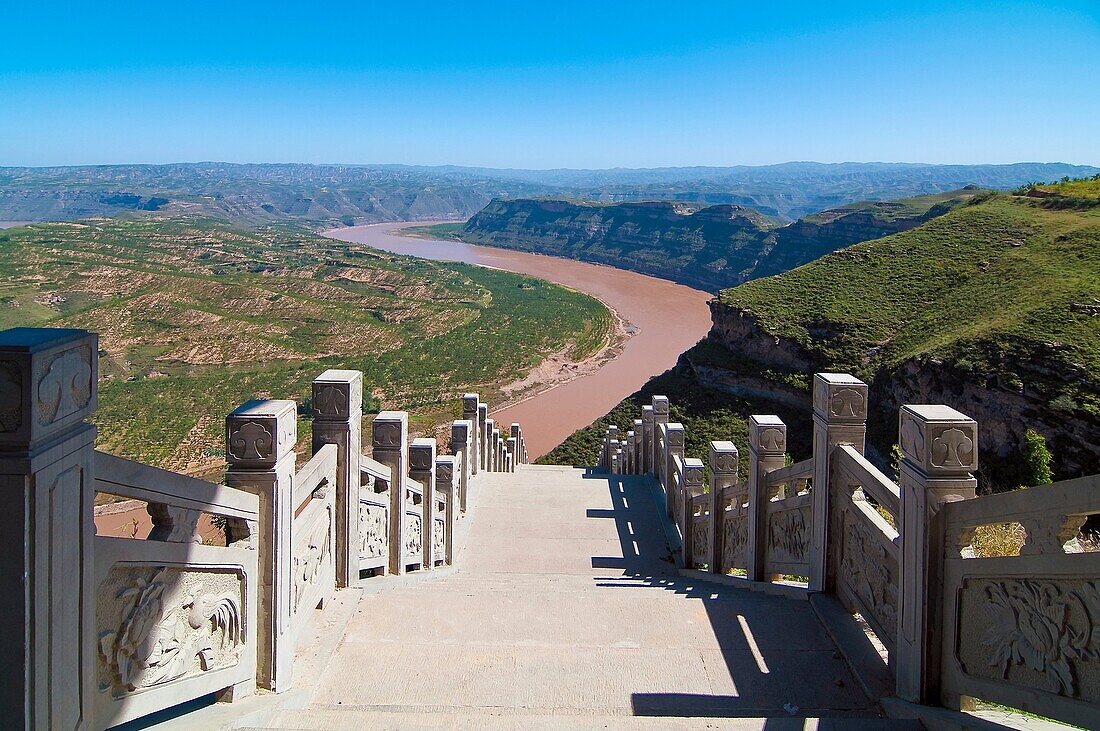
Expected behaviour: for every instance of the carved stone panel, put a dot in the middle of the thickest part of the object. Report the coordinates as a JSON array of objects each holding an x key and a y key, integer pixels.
[
  {"x": 158, "y": 624},
  {"x": 869, "y": 573},
  {"x": 700, "y": 541},
  {"x": 311, "y": 555},
  {"x": 373, "y": 531},
  {"x": 789, "y": 535},
  {"x": 439, "y": 539},
  {"x": 734, "y": 539},
  {"x": 1036, "y": 633},
  {"x": 938, "y": 440},
  {"x": 413, "y": 541}
]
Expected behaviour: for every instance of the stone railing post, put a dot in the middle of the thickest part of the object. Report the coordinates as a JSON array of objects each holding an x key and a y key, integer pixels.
[
  {"x": 646, "y": 449},
  {"x": 447, "y": 468},
  {"x": 259, "y": 449},
  {"x": 517, "y": 434},
  {"x": 723, "y": 474},
  {"x": 462, "y": 443},
  {"x": 490, "y": 446},
  {"x": 422, "y": 469},
  {"x": 483, "y": 434},
  {"x": 636, "y": 458},
  {"x": 767, "y": 450},
  {"x": 675, "y": 448},
  {"x": 840, "y": 417},
  {"x": 470, "y": 403},
  {"x": 511, "y": 454},
  {"x": 338, "y": 419},
  {"x": 692, "y": 486},
  {"x": 48, "y": 386},
  {"x": 628, "y": 453},
  {"x": 660, "y": 416},
  {"x": 939, "y": 448},
  {"x": 390, "y": 446},
  {"x": 611, "y": 441}
]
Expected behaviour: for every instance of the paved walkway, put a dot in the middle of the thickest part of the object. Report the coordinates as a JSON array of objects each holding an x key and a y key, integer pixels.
[{"x": 565, "y": 610}]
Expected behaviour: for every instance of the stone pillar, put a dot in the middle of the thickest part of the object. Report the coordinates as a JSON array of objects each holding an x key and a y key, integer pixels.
[
  {"x": 660, "y": 416},
  {"x": 447, "y": 468},
  {"x": 939, "y": 454},
  {"x": 628, "y": 453},
  {"x": 675, "y": 436},
  {"x": 259, "y": 449},
  {"x": 517, "y": 434},
  {"x": 692, "y": 486},
  {"x": 646, "y": 448},
  {"x": 612, "y": 441},
  {"x": 338, "y": 419},
  {"x": 48, "y": 385},
  {"x": 637, "y": 456},
  {"x": 422, "y": 470},
  {"x": 470, "y": 404},
  {"x": 483, "y": 434},
  {"x": 390, "y": 446},
  {"x": 840, "y": 417},
  {"x": 767, "y": 451},
  {"x": 490, "y": 446},
  {"x": 511, "y": 454},
  {"x": 462, "y": 443},
  {"x": 723, "y": 474}
]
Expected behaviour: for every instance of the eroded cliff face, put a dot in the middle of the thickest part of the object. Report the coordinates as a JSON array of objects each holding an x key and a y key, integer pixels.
[
  {"x": 1004, "y": 407},
  {"x": 711, "y": 248}
]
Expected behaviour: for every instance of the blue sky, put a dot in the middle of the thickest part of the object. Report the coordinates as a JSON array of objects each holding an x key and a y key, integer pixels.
[{"x": 562, "y": 84}]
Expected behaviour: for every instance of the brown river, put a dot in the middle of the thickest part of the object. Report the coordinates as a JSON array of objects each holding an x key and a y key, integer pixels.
[{"x": 668, "y": 318}]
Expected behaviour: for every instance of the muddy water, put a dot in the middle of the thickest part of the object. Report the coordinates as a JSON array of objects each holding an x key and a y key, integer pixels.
[{"x": 669, "y": 319}]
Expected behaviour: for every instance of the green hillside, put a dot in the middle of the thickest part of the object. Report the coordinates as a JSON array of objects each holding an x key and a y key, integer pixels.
[
  {"x": 196, "y": 316},
  {"x": 993, "y": 308}
]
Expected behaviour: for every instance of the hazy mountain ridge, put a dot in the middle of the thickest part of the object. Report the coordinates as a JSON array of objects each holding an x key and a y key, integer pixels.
[{"x": 330, "y": 195}]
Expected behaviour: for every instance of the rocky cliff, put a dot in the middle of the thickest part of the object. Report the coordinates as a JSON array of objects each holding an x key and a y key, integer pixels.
[{"x": 711, "y": 247}]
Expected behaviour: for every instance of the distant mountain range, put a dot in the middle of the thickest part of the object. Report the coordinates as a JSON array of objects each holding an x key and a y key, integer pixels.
[{"x": 331, "y": 195}]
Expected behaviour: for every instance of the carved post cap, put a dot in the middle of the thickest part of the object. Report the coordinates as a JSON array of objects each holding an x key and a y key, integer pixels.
[
  {"x": 422, "y": 454},
  {"x": 445, "y": 469},
  {"x": 647, "y": 414},
  {"x": 693, "y": 473},
  {"x": 638, "y": 425},
  {"x": 675, "y": 435},
  {"x": 482, "y": 411},
  {"x": 767, "y": 434},
  {"x": 48, "y": 382},
  {"x": 630, "y": 436},
  {"x": 470, "y": 402},
  {"x": 390, "y": 430},
  {"x": 660, "y": 406},
  {"x": 723, "y": 457},
  {"x": 839, "y": 398},
  {"x": 613, "y": 432},
  {"x": 938, "y": 441},
  {"x": 515, "y": 429},
  {"x": 460, "y": 430},
  {"x": 261, "y": 432},
  {"x": 338, "y": 395}
]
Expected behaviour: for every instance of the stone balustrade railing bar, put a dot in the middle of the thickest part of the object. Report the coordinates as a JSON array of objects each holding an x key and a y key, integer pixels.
[
  {"x": 127, "y": 627},
  {"x": 1020, "y": 630}
]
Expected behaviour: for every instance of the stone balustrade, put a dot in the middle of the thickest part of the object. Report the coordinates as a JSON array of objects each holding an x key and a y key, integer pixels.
[
  {"x": 1019, "y": 630},
  {"x": 111, "y": 629}
]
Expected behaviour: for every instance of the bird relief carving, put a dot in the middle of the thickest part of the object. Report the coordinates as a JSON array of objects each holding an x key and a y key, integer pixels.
[{"x": 164, "y": 624}]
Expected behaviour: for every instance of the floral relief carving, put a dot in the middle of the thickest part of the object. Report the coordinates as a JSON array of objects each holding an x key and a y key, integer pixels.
[
  {"x": 387, "y": 434},
  {"x": 700, "y": 540},
  {"x": 251, "y": 440},
  {"x": 848, "y": 402},
  {"x": 372, "y": 531},
  {"x": 165, "y": 624},
  {"x": 912, "y": 438},
  {"x": 11, "y": 396},
  {"x": 330, "y": 399},
  {"x": 439, "y": 539},
  {"x": 788, "y": 535},
  {"x": 308, "y": 561},
  {"x": 865, "y": 569},
  {"x": 66, "y": 385},
  {"x": 413, "y": 538},
  {"x": 952, "y": 448},
  {"x": 1047, "y": 626},
  {"x": 734, "y": 539},
  {"x": 772, "y": 440},
  {"x": 725, "y": 462}
]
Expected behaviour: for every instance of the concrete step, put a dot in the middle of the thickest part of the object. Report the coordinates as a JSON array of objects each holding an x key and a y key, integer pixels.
[{"x": 493, "y": 719}]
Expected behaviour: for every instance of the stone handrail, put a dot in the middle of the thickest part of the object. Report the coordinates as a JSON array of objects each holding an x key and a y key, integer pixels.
[
  {"x": 1022, "y": 630},
  {"x": 126, "y": 627}
]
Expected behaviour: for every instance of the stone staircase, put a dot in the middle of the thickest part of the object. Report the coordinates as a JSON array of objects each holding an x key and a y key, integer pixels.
[{"x": 565, "y": 611}]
